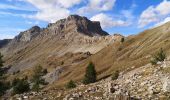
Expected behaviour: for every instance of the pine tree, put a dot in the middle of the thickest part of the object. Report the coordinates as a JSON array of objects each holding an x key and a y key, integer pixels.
[
  {"x": 3, "y": 84},
  {"x": 1, "y": 64},
  {"x": 1, "y": 61},
  {"x": 20, "y": 86},
  {"x": 37, "y": 78},
  {"x": 90, "y": 76},
  {"x": 122, "y": 40}
]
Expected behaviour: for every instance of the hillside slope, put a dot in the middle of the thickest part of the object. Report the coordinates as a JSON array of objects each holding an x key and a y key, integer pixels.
[
  {"x": 49, "y": 46},
  {"x": 138, "y": 79},
  {"x": 136, "y": 51}
]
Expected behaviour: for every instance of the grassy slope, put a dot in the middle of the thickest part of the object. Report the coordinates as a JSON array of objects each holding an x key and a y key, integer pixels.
[{"x": 134, "y": 52}]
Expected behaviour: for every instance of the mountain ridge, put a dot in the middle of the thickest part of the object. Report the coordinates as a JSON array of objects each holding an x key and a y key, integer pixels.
[{"x": 67, "y": 35}]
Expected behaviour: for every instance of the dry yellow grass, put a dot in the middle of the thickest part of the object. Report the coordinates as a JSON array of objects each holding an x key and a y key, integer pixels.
[{"x": 135, "y": 51}]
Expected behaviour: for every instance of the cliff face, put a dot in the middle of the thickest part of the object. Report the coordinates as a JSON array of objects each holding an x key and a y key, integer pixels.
[{"x": 77, "y": 24}]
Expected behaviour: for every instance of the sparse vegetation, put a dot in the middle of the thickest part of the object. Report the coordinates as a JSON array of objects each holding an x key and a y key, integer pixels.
[
  {"x": 71, "y": 84},
  {"x": 37, "y": 79},
  {"x": 20, "y": 86},
  {"x": 90, "y": 75},
  {"x": 122, "y": 40},
  {"x": 3, "y": 84},
  {"x": 45, "y": 71},
  {"x": 62, "y": 63},
  {"x": 1, "y": 65},
  {"x": 115, "y": 75},
  {"x": 160, "y": 56}
]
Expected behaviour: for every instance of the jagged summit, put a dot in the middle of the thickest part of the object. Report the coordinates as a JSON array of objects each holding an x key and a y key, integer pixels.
[
  {"x": 72, "y": 25},
  {"x": 78, "y": 24}
]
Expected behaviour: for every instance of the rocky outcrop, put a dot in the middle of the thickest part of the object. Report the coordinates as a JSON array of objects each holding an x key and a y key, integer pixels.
[
  {"x": 28, "y": 35},
  {"x": 77, "y": 24}
]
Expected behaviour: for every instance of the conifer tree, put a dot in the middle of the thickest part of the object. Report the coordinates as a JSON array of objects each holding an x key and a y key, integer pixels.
[{"x": 90, "y": 75}]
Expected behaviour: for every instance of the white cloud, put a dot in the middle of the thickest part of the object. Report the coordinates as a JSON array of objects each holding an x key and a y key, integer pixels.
[
  {"x": 107, "y": 21},
  {"x": 9, "y": 33},
  {"x": 163, "y": 22},
  {"x": 17, "y": 7},
  {"x": 68, "y": 3},
  {"x": 4, "y": 13},
  {"x": 163, "y": 8},
  {"x": 6, "y": 36},
  {"x": 97, "y": 6},
  {"x": 52, "y": 10},
  {"x": 154, "y": 14}
]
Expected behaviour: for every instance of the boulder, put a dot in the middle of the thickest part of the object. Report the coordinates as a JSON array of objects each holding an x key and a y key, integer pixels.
[{"x": 166, "y": 85}]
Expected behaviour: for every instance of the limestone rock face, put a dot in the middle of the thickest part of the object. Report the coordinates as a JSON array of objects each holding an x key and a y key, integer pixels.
[
  {"x": 77, "y": 24},
  {"x": 28, "y": 35}
]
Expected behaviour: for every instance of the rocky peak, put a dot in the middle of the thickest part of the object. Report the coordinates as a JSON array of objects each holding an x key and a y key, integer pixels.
[
  {"x": 28, "y": 35},
  {"x": 77, "y": 24}
]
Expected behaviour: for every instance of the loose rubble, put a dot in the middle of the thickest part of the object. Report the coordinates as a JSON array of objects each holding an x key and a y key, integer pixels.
[{"x": 145, "y": 83}]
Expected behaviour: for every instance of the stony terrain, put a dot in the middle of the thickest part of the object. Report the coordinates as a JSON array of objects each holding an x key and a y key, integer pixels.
[{"x": 145, "y": 83}]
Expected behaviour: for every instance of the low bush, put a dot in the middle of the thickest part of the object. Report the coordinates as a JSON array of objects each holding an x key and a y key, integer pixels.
[
  {"x": 71, "y": 84},
  {"x": 115, "y": 75}
]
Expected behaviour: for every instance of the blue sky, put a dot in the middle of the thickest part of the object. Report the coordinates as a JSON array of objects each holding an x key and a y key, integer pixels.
[{"x": 116, "y": 16}]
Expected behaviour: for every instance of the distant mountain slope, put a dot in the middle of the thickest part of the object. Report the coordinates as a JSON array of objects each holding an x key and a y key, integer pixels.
[
  {"x": 74, "y": 34},
  {"x": 4, "y": 42}
]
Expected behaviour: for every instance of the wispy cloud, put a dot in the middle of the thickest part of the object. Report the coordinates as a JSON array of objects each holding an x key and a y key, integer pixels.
[
  {"x": 97, "y": 6},
  {"x": 107, "y": 21},
  {"x": 17, "y": 7},
  {"x": 52, "y": 10},
  {"x": 154, "y": 13},
  {"x": 9, "y": 33}
]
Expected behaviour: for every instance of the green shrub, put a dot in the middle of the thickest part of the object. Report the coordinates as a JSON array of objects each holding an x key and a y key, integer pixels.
[
  {"x": 1, "y": 65},
  {"x": 160, "y": 56},
  {"x": 115, "y": 75},
  {"x": 44, "y": 71},
  {"x": 36, "y": 87},
  {"x": 90, "y": 75},
  {"x": 122, "y": 40},
  {"x": 15, "y": 82},
  {"x": 70, "y": 85},
  {"x": 153, "y": 61},
  {"x": 62, "y": 63},
  {"x": 1, "y": 61},
  {"x": 3, "y": 84},
  {"x": 21, "y": 86},
  {"x": 3, "y": 87}
]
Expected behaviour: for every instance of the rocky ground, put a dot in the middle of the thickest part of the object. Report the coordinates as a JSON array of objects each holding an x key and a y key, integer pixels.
[{"x": 145, "y": 83}]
